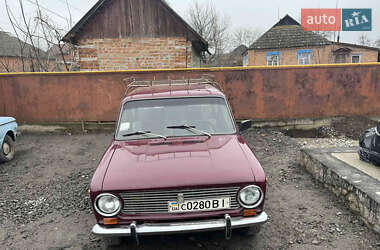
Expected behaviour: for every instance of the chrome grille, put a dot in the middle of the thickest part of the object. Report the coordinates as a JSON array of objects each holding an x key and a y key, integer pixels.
[{"x": 154, "y": 202}]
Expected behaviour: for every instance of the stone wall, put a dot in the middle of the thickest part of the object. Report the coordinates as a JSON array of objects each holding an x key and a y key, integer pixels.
[{"x": 357, "y": 190}]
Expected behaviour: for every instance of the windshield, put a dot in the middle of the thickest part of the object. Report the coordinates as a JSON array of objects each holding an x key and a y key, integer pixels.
[{"x": 205, "y": 114}]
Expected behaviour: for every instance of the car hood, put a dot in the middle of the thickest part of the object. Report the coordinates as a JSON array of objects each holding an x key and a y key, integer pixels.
[
  {"x": 156, "y": 164},
  {"x": 4, "y": 120}
]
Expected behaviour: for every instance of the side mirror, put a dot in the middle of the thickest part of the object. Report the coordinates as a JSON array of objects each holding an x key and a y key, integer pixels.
[{"x": 245, "y": 125}]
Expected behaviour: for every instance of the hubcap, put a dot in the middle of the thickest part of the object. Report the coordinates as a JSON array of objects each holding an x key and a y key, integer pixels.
[{"x": 6, "y": 148}]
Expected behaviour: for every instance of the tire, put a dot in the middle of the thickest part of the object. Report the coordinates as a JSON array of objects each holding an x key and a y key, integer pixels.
[
  {"x": 370, "y": 158},
  {"x": 249, "y": 230},
  {"x": 7, "y": 149},
  {"x": 363, "y": 156}
]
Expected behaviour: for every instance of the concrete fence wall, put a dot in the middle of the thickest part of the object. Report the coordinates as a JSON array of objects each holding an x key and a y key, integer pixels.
[{"x": 254, "y": 92}]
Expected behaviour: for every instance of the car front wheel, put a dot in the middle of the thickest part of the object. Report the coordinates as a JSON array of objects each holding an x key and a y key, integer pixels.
[{"x": 7, "y": 150}]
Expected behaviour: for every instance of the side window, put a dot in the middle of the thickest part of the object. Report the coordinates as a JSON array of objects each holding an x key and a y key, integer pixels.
[
  {"x": 304, "y": 56},
  {"x": 245, "y": 60},
  {"x": 273, "y": 58},
  {"x": 356, "y": 58}
]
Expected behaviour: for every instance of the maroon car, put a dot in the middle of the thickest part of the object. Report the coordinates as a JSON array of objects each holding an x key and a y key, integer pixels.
[{"x": 177, "y": 164}]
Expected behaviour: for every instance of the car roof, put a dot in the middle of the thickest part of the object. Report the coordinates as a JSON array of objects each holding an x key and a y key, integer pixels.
[{"x": 173, "y": 91}]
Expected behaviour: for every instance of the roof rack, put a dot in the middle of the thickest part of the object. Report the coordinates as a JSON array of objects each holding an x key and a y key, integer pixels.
[{"x": 133, "y": 84}]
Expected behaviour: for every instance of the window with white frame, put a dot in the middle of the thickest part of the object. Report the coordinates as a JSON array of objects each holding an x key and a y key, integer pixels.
[
  {"x": 273, "y": 58},
  {"x": 304, "y": 57},
  {"x": 356, "y": 58}
]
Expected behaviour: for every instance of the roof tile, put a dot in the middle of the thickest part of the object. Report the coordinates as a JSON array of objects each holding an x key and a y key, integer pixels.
[{"x": 287, "y": 33}]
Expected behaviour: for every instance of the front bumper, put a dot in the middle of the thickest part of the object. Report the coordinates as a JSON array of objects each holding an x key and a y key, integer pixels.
[{"x": 181, "y": 227}]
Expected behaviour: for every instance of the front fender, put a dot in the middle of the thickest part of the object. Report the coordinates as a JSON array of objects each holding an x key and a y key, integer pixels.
[{"x": 8, "y": 128}]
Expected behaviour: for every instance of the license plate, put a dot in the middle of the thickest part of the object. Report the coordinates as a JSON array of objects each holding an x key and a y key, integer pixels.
[{"x": 199, "y": 205}]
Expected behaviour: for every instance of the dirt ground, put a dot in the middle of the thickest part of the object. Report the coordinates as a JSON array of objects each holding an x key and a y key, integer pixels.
[
  {"x": 352, "y": 127},
  {"x": 44, "y": 202}
]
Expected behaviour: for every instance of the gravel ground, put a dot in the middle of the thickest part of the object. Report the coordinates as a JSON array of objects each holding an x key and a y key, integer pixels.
[{"x": 44, "y": 202}]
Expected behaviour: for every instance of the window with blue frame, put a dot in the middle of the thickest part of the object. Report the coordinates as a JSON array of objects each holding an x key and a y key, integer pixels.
[
  {"x": 273, "y": 58},
  {"x": 304, "y": 56}
]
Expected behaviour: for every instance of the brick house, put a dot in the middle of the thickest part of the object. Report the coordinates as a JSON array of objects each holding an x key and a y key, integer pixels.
[
  {"x": 286, "y": 43},
  {"x": 135, "y": 34},
  {"x": 64, "y": 56},
  {"x": 19, "y": 56}
]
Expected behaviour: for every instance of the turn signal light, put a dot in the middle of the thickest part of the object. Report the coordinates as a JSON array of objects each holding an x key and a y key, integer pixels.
[
  {"x": 110, "y": 221},
  {"x": 249, "y": 212}
]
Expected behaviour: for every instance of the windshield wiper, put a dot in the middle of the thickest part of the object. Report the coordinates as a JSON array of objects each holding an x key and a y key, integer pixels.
[
  {"x": 191, "y": 129},
  {"x": 145, "y": 133}
]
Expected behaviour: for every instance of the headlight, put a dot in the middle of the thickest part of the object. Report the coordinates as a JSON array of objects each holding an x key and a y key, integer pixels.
[
  {"x": 107, "y": 205},
  {"x": 251, "y": 196}
]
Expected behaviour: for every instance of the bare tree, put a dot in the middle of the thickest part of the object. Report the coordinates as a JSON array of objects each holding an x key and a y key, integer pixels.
[
  {"x": 34, "y": 35},
  {"x": 36, "y": 53},
  {"x": 53, "y": 35},
  {"x": 211, "y": 25},
  {"x": 22, "y": 44},
  {"x": 244, "y": 36},
  {"x": 69, "y": 10},
  {"x": 364, "y": 40}
]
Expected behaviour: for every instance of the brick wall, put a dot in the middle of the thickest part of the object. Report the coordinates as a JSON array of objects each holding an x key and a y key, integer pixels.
[
  {"x": 288, "y": 56},
  {"x": 366, "y": 54},
  {"x": 321, "y": 55},
  {"x": 134, "y": 53},
  {"x": 16, "y": 64},
  {"x": 12, "y": 64}
]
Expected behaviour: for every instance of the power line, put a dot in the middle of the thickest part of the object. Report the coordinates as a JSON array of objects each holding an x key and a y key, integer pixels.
[
  {"x": 48, "y": 10},
  {"x": 72, "y": 6}
]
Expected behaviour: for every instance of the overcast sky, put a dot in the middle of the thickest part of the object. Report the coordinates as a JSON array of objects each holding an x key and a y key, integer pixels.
[{"x": 257, "y": 14}]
